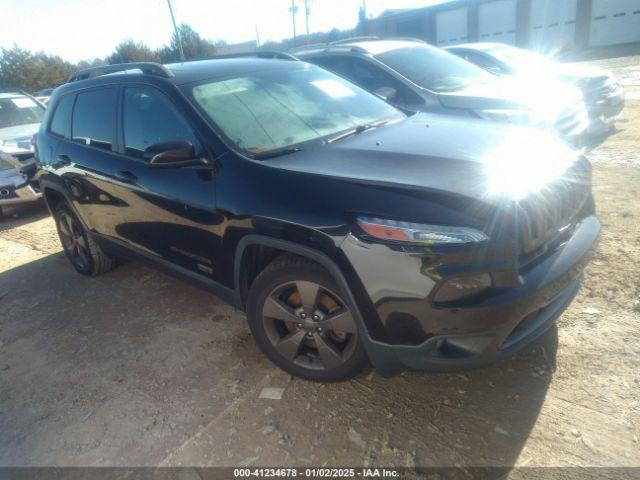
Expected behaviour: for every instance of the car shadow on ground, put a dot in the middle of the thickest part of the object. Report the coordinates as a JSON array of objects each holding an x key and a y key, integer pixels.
[{"x": 83, "y": 354}]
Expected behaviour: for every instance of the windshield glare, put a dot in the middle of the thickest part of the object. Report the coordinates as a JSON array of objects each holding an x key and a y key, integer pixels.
[
  {"x": 274, "y": 109},
  {"x": 16, "y": 111},
  {"x": 432, "y": 68}
]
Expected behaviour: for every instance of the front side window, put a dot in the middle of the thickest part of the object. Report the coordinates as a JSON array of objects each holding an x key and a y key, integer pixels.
[
  {"x": 432, "y": 68},
  {"x": 16, "y": 111},
  {"x": 62, "y": 116},
  {"x": 279, "y": 108},
  {"x": 93, "y": 118},
  {"x": 148, "y": 118}
]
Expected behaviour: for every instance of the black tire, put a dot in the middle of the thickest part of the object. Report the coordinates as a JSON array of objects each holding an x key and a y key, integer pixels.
[
  {"x": 319, "y": 354},
  {"x": 82, "y": 251}
]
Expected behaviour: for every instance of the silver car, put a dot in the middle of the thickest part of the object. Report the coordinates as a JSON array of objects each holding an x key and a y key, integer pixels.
[{"x": 20, "y": 117}]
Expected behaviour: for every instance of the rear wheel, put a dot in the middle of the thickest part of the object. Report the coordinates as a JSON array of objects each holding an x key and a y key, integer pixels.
[
  {"x": 301, "y": 322},
  {"x": 82, "y": 251}
]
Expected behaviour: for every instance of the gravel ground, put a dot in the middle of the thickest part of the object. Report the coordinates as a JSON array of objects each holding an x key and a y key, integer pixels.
[{"x": 135, "y": 368}]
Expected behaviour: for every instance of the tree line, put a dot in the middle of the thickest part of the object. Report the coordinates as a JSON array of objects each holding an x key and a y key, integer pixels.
[{"x": 33, "y": 71}]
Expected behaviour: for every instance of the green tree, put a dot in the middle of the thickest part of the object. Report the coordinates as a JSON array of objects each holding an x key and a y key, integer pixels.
[
  {"x": 195, "y": 47},
  {"x": 131, "y": 51},
  {"x": 20, "y": 68}
]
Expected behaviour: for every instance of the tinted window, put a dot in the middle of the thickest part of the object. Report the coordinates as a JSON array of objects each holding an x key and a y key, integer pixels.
[
  {"x": 432, "y": 68},
  {"x": 62, "y": 116},
  {"x": 278, "y": 108},
  {"x": 480, "y": 60},
  {"x": 369, "y": 77},
  {"x": 93, "y": 118},
  {"x": 149, "y": 118}
]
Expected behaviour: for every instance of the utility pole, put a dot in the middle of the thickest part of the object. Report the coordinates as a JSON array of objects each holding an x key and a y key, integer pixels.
[
  {"x": 307, "y": 12},
  {"x": 257, "y": 37},
  {"x": 293, "y": 10},
  {"x": 175, "y": 28}
]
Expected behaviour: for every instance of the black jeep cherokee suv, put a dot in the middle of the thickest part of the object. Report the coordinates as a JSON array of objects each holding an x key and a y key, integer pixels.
[{"x": 347, "y": 232}]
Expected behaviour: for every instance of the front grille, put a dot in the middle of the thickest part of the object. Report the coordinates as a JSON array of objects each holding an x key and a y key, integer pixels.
[{"x": 548, "y": 214}]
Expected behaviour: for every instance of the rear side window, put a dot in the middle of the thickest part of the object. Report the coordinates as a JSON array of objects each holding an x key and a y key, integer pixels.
[
  {"x": 149, "y": 118},
  {"x": 93, "y": 118},
  {"x": 61, "y": 120}
]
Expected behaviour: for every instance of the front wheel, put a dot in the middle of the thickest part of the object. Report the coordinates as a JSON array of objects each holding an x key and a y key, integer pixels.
[{"x": 300, "y": 320}]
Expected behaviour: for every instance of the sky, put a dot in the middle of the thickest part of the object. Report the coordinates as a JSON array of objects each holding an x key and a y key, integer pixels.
[{"x": 84, "y": 29}]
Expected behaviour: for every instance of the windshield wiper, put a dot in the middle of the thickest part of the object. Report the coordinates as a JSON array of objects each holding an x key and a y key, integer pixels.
[
  {"x": 275, "y": 153},
  {"x": 359, "y": 129}
]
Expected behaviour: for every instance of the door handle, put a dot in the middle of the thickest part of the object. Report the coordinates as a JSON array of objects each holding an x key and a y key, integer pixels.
[
  {"x": 62, "y": 160},
  {"x": 126, "y": 176}
]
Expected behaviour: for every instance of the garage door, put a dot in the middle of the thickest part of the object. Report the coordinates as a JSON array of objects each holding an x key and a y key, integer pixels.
[
  {"x": 497, "y": 21},
  {"x": 614, "y": 21},
  {"x": 553, "y": 24},
  {"x": 451, "y": 26}
]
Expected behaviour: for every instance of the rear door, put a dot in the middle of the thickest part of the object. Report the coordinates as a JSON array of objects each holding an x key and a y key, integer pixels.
[{"x": 86, "y": 158}]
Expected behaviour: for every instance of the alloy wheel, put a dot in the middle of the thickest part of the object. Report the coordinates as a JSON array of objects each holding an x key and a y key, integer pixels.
[
  {"x": 74, "y": 241},
  {"x": 309, "y": 325}
]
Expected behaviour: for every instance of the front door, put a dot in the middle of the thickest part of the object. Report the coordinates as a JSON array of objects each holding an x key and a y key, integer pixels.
[{"x": 173, "y": 216}]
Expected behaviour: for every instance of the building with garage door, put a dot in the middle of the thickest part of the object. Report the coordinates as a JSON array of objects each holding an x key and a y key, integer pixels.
[{"x": 538, "y": 24}]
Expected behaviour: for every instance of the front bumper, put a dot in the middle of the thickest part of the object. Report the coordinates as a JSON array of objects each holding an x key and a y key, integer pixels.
[{"x": 478, "y": 334}]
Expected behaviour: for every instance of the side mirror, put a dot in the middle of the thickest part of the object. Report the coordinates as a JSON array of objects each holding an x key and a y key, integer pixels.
[
  {"x": 386, "y": 93},
  {"x": 171, "y": 154}
]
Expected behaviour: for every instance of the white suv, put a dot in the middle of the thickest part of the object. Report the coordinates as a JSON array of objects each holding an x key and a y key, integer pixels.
[{"x": 20, "y": 117}]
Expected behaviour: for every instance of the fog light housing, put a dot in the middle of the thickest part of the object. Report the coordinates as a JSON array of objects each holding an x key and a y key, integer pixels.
[{"x": 462, "y": 287}]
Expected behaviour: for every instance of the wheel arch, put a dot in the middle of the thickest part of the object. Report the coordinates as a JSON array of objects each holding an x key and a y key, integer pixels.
[{"x": 378, "y": 357}]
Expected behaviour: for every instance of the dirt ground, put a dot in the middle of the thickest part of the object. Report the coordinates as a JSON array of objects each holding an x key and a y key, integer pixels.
[{"x": 135, "y": 368}]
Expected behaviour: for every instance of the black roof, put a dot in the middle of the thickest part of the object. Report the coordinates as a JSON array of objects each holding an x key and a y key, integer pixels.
[{"x": 224, "y": 67}]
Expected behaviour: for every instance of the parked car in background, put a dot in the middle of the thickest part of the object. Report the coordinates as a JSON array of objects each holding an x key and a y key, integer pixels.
[
  {"x": 20, "y": 117},
  {"x": 346, "y": 231},
  {"x": 44, "y": 95},
  {"x": 415, "y": 76},
  {"x": 604, "y": 96}
]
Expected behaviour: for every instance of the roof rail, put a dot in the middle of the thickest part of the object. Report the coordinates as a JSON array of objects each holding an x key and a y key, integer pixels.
[
  {"x": 407, "y": 39},
  {"x": 149, "y": 68},
  {"x": 258, "y": 54},
  {"x": 308, "y": 46},
  {"x": 355, "y": 39}
]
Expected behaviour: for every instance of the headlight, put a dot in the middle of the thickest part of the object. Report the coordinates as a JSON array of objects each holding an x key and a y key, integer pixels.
[{"x": 419, "y": 233}]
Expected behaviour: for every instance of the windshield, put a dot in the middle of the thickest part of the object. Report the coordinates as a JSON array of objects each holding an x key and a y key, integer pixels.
[
  {"x": 277, "y": 109},
  {"x": 519, "y": 59},
  {"x": 432, "y": 68},
  {"x": 19, "y": 111}
]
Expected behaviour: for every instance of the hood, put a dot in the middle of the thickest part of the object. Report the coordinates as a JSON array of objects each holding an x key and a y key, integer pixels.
[
  {"x": 518, "y": 92},
  {"x": 465, "y": 157},
  {"x": 17, "y": 139}
]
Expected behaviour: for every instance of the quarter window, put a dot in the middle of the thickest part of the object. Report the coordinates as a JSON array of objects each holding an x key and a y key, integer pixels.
[
  {"x": 93, "y": 118},
  {"x": 148, "y": 118},
  {"x": 62, "y": 116}
]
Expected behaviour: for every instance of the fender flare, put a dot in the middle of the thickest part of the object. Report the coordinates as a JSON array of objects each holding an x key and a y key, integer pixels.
[{"x": 378, "y": 354}]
